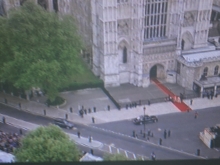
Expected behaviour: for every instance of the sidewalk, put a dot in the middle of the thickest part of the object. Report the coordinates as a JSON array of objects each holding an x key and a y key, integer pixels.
[{"x": 104, "y": 116}]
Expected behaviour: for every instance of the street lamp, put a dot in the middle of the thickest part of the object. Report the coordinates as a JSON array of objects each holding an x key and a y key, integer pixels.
[{"x": 144, "y": 121}]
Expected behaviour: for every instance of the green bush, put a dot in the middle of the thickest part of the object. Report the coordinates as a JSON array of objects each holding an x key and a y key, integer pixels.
[
  {"x": 82, "y": 85},
  {"x": 58, "y": 101}
]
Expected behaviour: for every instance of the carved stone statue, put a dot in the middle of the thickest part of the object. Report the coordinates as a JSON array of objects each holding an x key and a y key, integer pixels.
[
  {"x": 188, "y": 19},
  {"x": 123, "y": 27}
]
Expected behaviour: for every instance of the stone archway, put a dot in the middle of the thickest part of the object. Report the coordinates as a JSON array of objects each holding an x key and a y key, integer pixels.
[
  {"x": 157, "y": 71},
  {"x": 187, "y": 41}
]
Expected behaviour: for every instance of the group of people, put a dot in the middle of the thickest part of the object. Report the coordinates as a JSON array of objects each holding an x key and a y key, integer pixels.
[
  {"x": 9, "y": 141},
  {"x": 175, "y": 99},
  {"x": 209, "y": 94}
]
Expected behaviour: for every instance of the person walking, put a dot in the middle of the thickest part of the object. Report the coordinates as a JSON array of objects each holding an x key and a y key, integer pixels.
[
  {"x": 165, "y": 134},
  {"x": 191, "y": 101},
  {"x": 196, "y": 114},
  {"x": 168, "y": 134},
  {"x": 153, "y": 156}
]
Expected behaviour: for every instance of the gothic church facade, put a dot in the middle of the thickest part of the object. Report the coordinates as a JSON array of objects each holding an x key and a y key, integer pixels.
[{"x": 132, "y": 41}]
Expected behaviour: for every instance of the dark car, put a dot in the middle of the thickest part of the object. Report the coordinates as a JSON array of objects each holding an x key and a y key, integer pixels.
[
  {"x": 145, "y": 119},
  {"x": 63, "y": 123}
]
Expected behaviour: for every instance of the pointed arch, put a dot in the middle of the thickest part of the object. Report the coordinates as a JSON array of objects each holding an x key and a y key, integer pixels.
[
  {"x": 123, "y": 51},
  {"x": 124, "y": 55},
  {"x": 187, "y": 41}
]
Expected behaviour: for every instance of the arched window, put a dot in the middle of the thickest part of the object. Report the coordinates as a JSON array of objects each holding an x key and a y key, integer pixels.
[
  {"x": 2, "y": 8},
  {"x": 124, "y": 55},
  {"x": 22, "y": 2},
  {"x": 216, "y": 70},
  {"x": 205, "y": 71},
  {"x": 43, "y": 3},
  {"x": 182, "y": 44},
  {"x": 55, "y": 5}
]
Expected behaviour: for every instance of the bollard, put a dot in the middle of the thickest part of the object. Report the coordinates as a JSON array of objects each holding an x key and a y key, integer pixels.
[
  {"x": 133, "y": 133},
  {"x": 94, "y": 108},
  {"x": 78, "y": 133},
  {"x": 19, "y": 104},
  {"x": 91, "y": 151},
  {"x": 160, "y": 141},
  {"x": 93, "y": 120},
  {"x": 108, "y": 107},
  {"x": 3, "y": 120},
  {"x": 66, "y": 116},
  {"x": 44, "y": 112},
  {"x": 71, "y": 109},
  {"x": 89, "y": 110},
  {"x": 198, "y": 152},
  {"x": 90, "y": 139},
  {"x": 20, "y": 131},
  {"x": 126, "y": 106},
  {"x": 6, "y": 101}
]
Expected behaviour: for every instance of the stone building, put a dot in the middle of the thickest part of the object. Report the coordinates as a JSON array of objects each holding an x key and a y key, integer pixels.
[{"x": 132, "y": 41}]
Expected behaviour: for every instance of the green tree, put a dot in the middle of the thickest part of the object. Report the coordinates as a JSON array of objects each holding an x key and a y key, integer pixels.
[
  {"x": 115, "y": 157},
  {"x": 47, "y": 144},
  {"x": 42, "y": 49}
]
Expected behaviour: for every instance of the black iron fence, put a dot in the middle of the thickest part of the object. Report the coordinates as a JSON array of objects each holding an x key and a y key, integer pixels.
[
  {"x": 156, "y": 100},
  {"x": 143, "y": 102},
  {"x": 191, "y": 96}
]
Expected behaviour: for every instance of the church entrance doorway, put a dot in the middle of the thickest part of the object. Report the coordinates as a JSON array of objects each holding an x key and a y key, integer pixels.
[
  {"x": 157, "y": 71},
  {"x": 153, "y": 72}
]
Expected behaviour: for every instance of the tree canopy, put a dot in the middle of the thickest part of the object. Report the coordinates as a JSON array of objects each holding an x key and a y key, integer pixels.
[
  {"x": 39, "y": 49},
  {"x": 115, "y": 157},
  {"x": 47, "y": 144}
]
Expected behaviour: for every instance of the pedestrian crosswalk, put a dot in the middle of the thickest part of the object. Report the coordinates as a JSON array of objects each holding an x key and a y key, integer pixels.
[{"x": 114, "y": 150}]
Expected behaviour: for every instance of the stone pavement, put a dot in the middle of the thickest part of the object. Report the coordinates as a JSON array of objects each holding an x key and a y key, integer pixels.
[{"x": 104, "y": 115}]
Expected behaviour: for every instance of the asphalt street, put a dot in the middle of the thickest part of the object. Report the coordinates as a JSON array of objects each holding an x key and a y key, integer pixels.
[
  {"x": 184, "y": 130},
  {"x": 127, "y": 143},
  {"x": 13, "y": 129}
]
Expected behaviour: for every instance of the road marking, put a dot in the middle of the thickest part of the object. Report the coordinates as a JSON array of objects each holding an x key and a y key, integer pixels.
[
  {"x": 148, "y": 142},
  {"x": 112, "y": 145},
  {"x": 110, "y": 149},
  {"x": 126, "y": 154},
  {"x": 134, "y": 156}
]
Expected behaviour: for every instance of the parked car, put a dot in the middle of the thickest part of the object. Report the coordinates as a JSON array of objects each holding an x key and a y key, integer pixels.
[
  {"x": 145, "y": 119},
  {"x": 63, "y": 123}
]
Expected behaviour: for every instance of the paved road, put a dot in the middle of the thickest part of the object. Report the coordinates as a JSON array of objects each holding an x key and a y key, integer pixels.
[
  {"x": 13, "y": 129},
  {"x": 184, "y": 130},
  {"x": 113, "y": 142}
]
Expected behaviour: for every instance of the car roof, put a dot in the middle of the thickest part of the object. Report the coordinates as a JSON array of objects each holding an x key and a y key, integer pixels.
[{"x": 59, "y": 119}]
